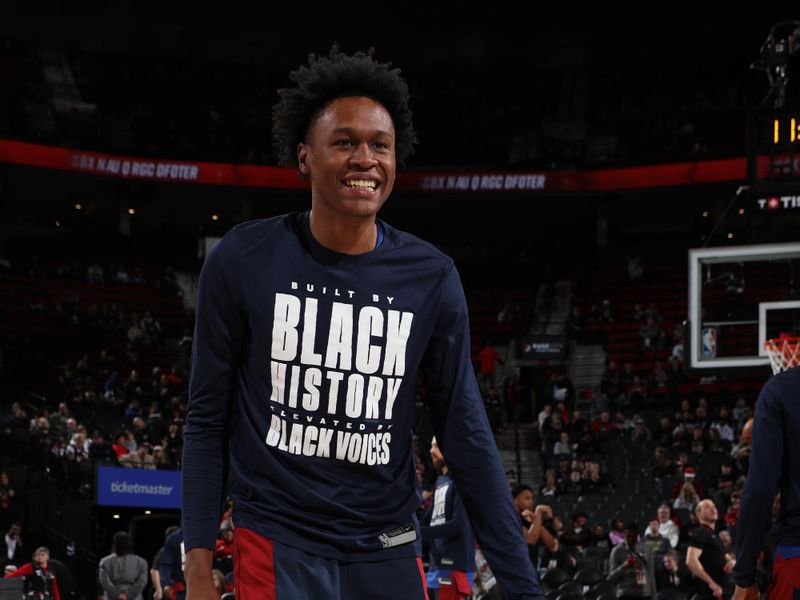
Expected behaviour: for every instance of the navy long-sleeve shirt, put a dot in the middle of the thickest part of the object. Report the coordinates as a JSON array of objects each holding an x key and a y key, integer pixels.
[
  {"x": 304, "y": 366},
  {"x": 774, "y": 466},
  {"x": 448, "y": 530}
]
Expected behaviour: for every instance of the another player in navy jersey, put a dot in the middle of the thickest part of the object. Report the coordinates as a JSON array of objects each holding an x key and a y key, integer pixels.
[
  {"x": 310, "y": 331},
  {"x": 452, "y": 546},
  {"x": 774, "y": 467}
]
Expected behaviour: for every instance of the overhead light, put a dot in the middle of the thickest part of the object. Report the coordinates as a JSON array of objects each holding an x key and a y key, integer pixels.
[
  {"x": 741, "y": 211},
  {"x": 78, "y": 206},
  {"x": 58, "y": 223},
  {"x": 215, "y": 217},
  {"x": 116, "y": 516},
  {"x": 730, "y": 236},
  {"x": 131, "y": 211},
  {"x": 147, "y": 512},
  {"x": 705, "y": 213}
]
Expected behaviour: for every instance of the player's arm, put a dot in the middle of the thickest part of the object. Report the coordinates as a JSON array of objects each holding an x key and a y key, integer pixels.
[
  {"x": 693, "y": 554},
  {"x": 462, "y": 431},
  {"x": 218, "y": 338},
  {"x": 755, "y": 510}
]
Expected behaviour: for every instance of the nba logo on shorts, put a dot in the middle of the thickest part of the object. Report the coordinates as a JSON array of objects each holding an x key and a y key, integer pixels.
[{"x": 709, "y": 340}]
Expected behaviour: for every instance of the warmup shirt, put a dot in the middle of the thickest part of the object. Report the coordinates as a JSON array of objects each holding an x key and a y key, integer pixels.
[
  {"x": 774, "y": 466},
  {"x": 304, "y": 368},
  {"x": 452, "y": 544}
]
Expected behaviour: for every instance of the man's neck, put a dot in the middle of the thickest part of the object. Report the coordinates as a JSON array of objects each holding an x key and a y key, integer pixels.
[{"x": 341, "y": 234}]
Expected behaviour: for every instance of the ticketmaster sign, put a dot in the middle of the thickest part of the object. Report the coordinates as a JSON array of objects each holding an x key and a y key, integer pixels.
[{"x": 138, "y": 487}]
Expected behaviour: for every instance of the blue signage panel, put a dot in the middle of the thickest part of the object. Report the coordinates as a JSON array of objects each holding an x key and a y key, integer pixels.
[{"x": 144, "y": 488}]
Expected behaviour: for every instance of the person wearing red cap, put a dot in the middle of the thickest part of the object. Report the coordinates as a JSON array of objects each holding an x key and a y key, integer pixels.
[{"x": 689, "y": 476}]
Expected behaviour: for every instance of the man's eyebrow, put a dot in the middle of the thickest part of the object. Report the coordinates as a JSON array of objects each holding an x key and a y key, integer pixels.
[{"x": 350, "y": 131}]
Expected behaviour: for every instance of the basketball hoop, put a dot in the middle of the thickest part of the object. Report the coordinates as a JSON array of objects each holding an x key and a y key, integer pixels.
[{"x": 783, "y": 351}]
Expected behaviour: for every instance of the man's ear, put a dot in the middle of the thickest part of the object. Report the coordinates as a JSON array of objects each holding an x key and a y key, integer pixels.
[{"x": 302, "y": 156}]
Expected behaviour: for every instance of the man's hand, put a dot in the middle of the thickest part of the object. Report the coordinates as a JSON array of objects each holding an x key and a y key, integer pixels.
[
  {"x": 122, "y": 596},
  {"x": 729, "y": 567},
  {"x": 716, "y": 591},
  {"x": 528, "y": 515},
  {"x": 157, "y": 594},
  {"x": 749, "y": 593},
  {"x": 544, "y": 510}
]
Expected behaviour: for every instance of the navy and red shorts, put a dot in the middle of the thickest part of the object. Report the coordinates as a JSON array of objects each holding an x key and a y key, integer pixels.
[
  {"x": 265, "y": 569},
  {"x": 785, "y": 578}
]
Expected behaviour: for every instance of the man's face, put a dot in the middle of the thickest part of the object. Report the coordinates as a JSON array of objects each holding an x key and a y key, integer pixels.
[
  {"x": 631, "y": 536},
  {"x": 707, "y": 512},
  {"x": 40, "y": 558},
  {"x": 654, "y": 527},
  {"x": 436, "y": 456},
  {"x": 663, "y": 514},
  {"x": 524, "y": 500},
  {"x": 349, "y": 156},
  {"x": 669, "y": 563}
]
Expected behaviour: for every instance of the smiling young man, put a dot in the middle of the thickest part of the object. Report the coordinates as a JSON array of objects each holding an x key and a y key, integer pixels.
[{"x": 310, "y": 331}]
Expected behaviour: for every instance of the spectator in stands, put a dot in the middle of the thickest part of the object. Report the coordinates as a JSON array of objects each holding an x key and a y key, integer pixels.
[
  {"x": 600, "y": 538},
  {"x": 141, "y": 459},
  {"x": 221, "y": 584},
  {"x": 648, "y": 334},
  {"x": 675, "y": 375},
  {"x": 223, "y": 550},
  {"x": 671, "y": 574},
  {"x": 487, "y": 364},
  {"x": 40, "y": 579},
  {"x": 119, "y": 446},
  {"x": 578, "y": 536},
  {"x": 689, "y": 476},
  {"x": 545, "y": 414},
  {"x": 723, "y": 425},
  {"x": 12, "y": 550},
  {"x": 616, "y": 534},
  {"x": 687, "y": 498},
  {"x": 657, "y": 543},
  {"x": 95, "y": 273},
  {"x": 160, "y": 459},
  {"x": 563, "y": 445},
  {"x": 640, "y": 432},
  {"x": 606, "y": 313},
  {"x": 706, "y": 557},
  {"x": 537, "y": 527},
  {"x": 666, "y": 526},
  {"x": 7, "y": 501},
  {"x": 575, "y": 484},
  {"x": 100, "y": 450},
  {"x": 122, "y": 574},
  {"x": 631, "y": 567},
  {"x": 574, "y": 324},
  {"x": 550, "y": 488}
]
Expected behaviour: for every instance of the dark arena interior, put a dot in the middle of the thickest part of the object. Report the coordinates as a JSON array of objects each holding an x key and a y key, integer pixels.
[{"x": 621, "y": 201}]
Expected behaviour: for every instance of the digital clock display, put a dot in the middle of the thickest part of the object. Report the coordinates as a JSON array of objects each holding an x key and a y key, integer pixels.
[{"x": 785, "y": 131}]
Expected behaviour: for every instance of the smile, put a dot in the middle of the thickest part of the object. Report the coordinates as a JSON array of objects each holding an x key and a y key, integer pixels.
[{"x": 362, "y": 184}]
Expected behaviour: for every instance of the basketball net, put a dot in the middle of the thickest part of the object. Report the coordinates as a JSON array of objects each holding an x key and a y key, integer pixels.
[{"x": 783, "y": 351}]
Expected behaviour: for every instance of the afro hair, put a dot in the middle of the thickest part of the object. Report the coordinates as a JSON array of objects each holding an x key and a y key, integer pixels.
[{"x": 335, "y": 76}]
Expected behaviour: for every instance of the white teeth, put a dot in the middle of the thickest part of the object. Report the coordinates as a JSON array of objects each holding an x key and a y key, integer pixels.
[{"x": 361, "y": 183}]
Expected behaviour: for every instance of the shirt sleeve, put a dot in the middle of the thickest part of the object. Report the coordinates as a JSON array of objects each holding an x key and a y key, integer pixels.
[
  {"x": 463, "y": 433},
  {"x": 755, "y": 510},
  {"x": 218, "y": 335}
]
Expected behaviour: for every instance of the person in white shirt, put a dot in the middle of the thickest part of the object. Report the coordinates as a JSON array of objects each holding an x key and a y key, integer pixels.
[{"x": 666, "y": 526}]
